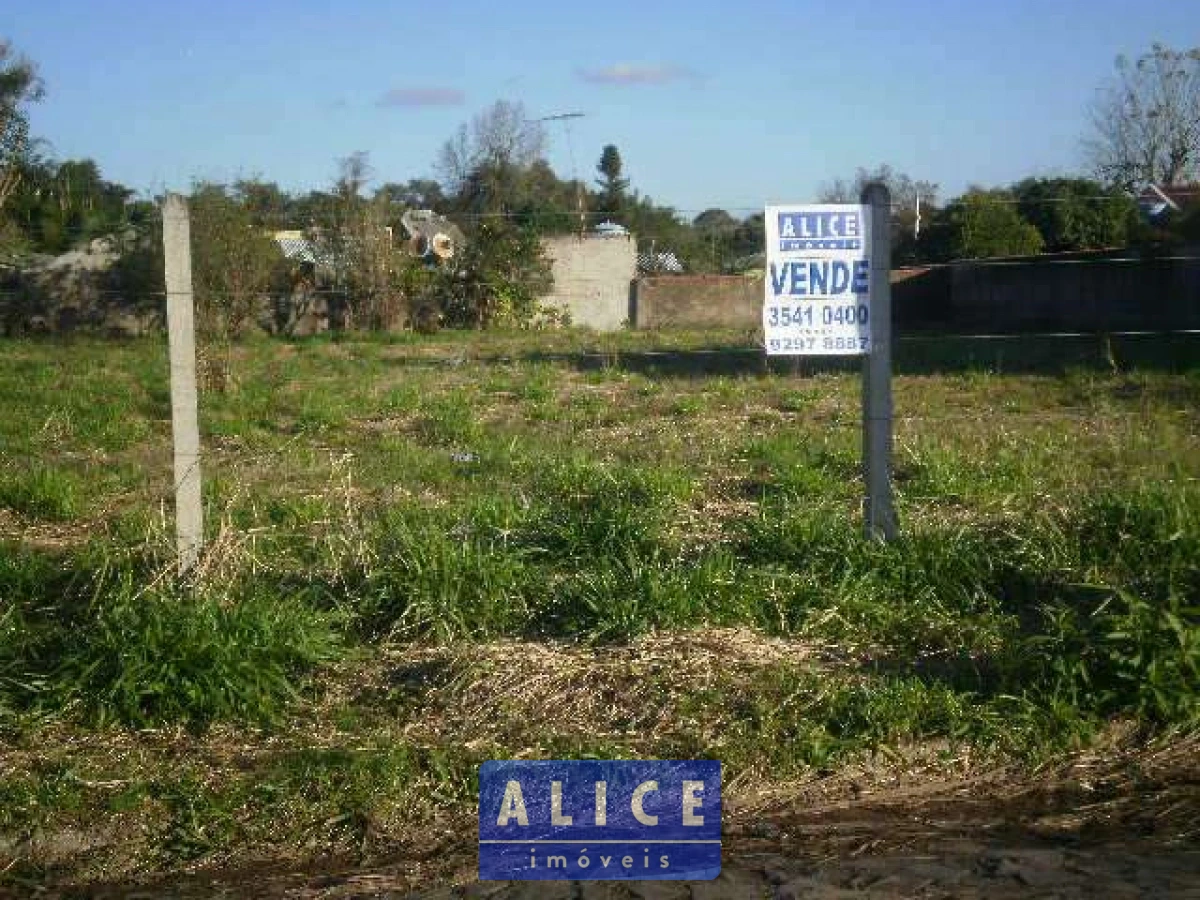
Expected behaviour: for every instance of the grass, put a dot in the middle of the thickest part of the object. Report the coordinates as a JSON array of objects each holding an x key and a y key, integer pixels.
[
  {"x": 43, "y": 494},
  {"x": 98, "y": 644},
  {"x": 428, "y": 552}
]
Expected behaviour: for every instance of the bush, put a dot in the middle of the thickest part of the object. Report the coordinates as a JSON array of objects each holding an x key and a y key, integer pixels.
[{"x": 496, "y": 281}]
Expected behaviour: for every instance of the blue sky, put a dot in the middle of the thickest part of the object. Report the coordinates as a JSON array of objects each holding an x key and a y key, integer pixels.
[{"x": 711, "y": 103}]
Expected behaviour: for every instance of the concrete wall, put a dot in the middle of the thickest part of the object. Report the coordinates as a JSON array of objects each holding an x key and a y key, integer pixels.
[
  {"x": 698, "y": 301},
  {"x": 1076, "y": 292},
  {"x": 592, "y": 278}
]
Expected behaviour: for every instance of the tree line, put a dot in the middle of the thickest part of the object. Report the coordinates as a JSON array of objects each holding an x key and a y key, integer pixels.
[{"x": 492, "y": 178}]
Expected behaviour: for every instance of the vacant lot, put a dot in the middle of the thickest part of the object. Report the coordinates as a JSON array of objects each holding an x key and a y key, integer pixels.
[{"x": 429, "y": 552}]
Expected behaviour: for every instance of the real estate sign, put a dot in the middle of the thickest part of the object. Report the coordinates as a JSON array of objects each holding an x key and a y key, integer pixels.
[{"x": 818, "y": 280}]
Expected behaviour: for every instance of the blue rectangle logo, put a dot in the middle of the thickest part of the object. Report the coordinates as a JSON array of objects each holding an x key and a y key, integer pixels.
[
  {"x": 584, "y": 820},
  {"x": 820, "y": 230}
]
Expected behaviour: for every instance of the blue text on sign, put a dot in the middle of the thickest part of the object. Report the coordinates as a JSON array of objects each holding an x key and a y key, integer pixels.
[
  {"x": 813, "y": 230},
  {"x": 820, "y": 278}
]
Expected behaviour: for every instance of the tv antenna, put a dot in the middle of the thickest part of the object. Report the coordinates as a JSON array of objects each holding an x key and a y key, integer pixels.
[{"x": 566, "y": 118}]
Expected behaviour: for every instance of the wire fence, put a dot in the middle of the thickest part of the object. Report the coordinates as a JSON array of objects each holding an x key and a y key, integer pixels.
[{"x": 99, "y": 284}]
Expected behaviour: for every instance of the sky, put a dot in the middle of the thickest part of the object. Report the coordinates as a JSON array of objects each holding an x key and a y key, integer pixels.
[{"x": 712, "y": 104}]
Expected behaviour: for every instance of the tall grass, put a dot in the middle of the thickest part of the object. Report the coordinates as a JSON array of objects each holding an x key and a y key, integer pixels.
[
  {"x": 93, "y": 643},
  {"x": 1092, "y": 609},
  {"x": 41, "y": 493}
]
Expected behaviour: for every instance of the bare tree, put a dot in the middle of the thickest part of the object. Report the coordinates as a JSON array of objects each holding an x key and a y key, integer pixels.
[
  {"x": 1146, "y": 124},
  {"x": 354, "y": 171},
  {"x": 501, "y": 137},
  {"x": 904, "y": 189}
]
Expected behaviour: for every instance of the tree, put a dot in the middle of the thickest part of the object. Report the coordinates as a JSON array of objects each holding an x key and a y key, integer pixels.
[
  {"x": 481, "y": 161},
  {"x": 498, "y": 281},
  {"x": 354, "y": 171},
  {"x": 1146, "y": 123},
  {"x": 612, "y": 185},
  {"x": 715, "y": 222},
  {"x": 264, "y": 200},
  {"x": 716, "y": 229},
  {"x": 416, "y": 193},
  {"x": 492, "y": 169},
  {"x": 905, "y": 191},
  {"x": 750, "y": 238},
  {"x": 19, "y": 86},
  {"x": 979, "y": 225},
  {"x": 232, "y": 260},
  {"x": 58, "y": 205},
  {"x": 1075, "y": 213}
]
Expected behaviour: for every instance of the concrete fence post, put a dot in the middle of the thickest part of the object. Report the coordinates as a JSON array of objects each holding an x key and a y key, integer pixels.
[
  {"x": 879, "y": 512},
  {"x": 181, "y": 336}
]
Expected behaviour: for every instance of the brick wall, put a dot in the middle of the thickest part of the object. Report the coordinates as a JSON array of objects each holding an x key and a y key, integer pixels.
[{"x": 698, "y": 301}]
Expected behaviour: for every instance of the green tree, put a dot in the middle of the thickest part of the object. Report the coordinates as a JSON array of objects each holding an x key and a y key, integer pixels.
[
  {"x": 416, "y": 193},
  {"x": 1075, "y": 213},
  {"x": 547, "y": 203},
  {"x": 978, "y": 225},
  {"x": 19, "y": 86},
  {"x": 659, "y": 229},
  {"x": 716, "y": 230},
  {"x": 1146, "y": 123},
  {"x": 267, "y": 204},
  {"x": 233, "y": 260},
  {"x": 59, "y": 205},
  {"x": 494, "y": 174},
  {"x": 498, "y": 281},
  {"x": 612, "y": 186}
]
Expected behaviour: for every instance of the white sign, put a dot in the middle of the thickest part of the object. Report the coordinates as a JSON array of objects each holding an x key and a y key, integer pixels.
[{"x": 817, "y": 285}]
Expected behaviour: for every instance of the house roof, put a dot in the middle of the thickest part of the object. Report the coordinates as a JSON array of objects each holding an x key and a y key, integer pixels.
[
  {"x": 665, "y": 262},
  {"x": 611, "y": 229},
  {"x": 296, "y": 245}
]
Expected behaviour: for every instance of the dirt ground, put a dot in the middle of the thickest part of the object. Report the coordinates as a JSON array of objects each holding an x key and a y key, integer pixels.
[{"x": 1119, "y": 825}]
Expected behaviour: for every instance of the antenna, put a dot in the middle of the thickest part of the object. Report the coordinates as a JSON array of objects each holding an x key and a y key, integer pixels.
[{"x": 566, "y": 119}]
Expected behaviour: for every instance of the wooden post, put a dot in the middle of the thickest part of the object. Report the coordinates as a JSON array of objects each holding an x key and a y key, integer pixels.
[
  {"x": 181, "y": 336},
  {"x": 879, "y": 512}
]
